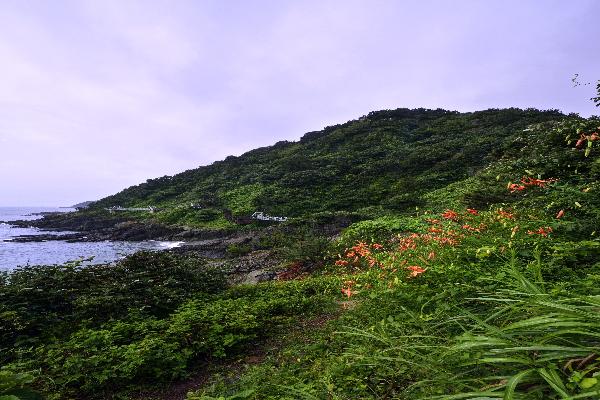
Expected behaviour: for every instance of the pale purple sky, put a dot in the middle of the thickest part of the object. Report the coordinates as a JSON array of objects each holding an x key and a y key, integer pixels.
[{"x": 99, "y": 95}]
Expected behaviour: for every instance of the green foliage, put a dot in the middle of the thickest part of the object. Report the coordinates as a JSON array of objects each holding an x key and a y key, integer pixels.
[
  {"x": 242, "y": 200},
  {"x": 39, "y": 302},
  {"x": 381, "y": 163},
  {"x": 305, "y": 246},
  {"x": 532, "y": 345},
  {"x": 185, "y": 215},
  {"x": 380, "y": 229},
  {"x": 237, "y": 250},
  {"x": 509, "y": 312},
  {"x": 136, "y": 349},
  {"x": 492, "y": 330},
  {"x": 207, "y": 214},
  {"x": 15, "y": 386},
  {"x": 502, "y": 301}
]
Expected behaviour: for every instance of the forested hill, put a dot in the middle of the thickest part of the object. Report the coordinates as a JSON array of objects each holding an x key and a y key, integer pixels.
[{"x": 384, "y": 161}]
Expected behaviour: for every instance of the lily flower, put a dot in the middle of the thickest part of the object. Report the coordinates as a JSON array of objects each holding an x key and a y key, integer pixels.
[
  {"x": 450, "y": 215},
  {"x": 415, "y": 270}
]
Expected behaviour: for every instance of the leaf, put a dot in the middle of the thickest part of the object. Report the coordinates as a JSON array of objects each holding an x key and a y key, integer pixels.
[
  {"x": 513, "y": 382},
  {"x": 553, "y": 379},
  {"x": 470, "y": 395},
  {"x": 24, "y": 394},
  {"x": 242, "y": 395},
  {"x": 587, "y": 383}
]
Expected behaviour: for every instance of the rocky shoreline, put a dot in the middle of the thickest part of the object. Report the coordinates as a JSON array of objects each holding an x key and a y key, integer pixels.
[
  {"x": 85, "y": 227},
  {"x": 241, "y": 254},
  {"x": 210, "y": 243},
  {"x": 92, "y": 228},
  {"x": 253, "y": 264},
  {"x": 95, "y": 228}
]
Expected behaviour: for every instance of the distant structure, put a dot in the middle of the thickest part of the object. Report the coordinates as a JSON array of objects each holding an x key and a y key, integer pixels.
[
  {"x": 261, "y": 216},
  {"x": 196, "y": 206},
  {"x": 119, "y": 208}
]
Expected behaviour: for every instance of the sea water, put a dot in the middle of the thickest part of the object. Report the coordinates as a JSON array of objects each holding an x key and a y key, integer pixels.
[{"x": 15, "y": 254}]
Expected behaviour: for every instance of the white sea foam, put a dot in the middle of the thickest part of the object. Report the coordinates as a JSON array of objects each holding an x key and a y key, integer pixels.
[{"x": 170, "y": 245}]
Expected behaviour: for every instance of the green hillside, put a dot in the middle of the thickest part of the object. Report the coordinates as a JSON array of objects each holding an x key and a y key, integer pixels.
[
  {"x": 471, "y": 271},
  {"x": 384, "y": 162}
]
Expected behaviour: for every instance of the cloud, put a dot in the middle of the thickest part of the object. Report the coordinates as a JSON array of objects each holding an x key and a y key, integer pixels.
[{"x": 99, "y": 95}]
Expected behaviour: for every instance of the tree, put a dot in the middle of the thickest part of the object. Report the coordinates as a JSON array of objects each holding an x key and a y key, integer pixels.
[{"x": 576, "y": 83}]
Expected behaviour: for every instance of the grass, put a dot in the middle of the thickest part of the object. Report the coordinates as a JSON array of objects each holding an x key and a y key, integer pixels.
[
  {"x": 500, "y": 313},
  {"x": 519, "y": 342}
]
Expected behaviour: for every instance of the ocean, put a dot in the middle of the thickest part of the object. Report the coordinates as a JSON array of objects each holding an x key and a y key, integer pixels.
[{"x": 15, "y": 254}]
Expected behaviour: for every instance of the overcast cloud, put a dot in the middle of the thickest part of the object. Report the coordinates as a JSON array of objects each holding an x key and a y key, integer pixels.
[{"x": 98, "y": 95}]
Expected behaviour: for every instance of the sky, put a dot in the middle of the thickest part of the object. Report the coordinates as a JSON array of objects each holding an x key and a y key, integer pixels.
[{"x": 96, "y": 96}]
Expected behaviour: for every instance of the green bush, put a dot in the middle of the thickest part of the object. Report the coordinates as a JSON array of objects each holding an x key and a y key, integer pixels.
[
  {"x": 380, "y": 229},
  {"x": 16, "y": 386},
  {"x": 237, "y": 250},
  {"x": 39, "y": 302},
  {"x": 143, "y": 350},
  {"x": 307, "y": 247}
]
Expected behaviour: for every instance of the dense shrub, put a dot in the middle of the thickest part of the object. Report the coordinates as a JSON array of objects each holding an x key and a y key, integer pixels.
[
  {"x": 133, "y": 351},
  {"x": 43, "y": 301},
  {"x": 15, "y": 386}
]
